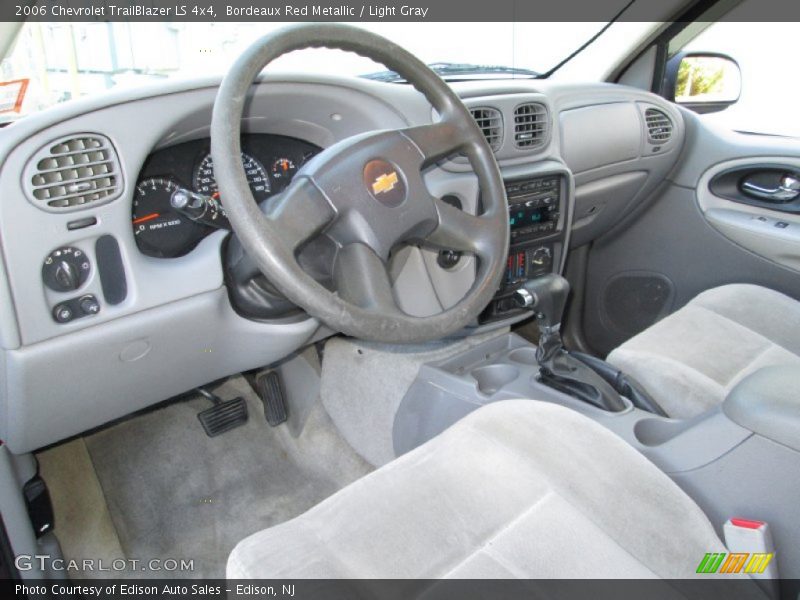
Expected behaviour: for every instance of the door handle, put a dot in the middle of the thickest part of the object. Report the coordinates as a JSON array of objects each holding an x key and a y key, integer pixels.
[{"x": 788, "y": 190}]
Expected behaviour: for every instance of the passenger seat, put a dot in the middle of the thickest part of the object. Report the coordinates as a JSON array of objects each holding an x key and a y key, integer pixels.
[{"x": 689, "y": 360}]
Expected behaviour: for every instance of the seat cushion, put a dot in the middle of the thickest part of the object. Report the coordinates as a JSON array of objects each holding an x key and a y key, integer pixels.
[
  {"x": 691, "y": 359},
  {"x": 517, "y": 489}
]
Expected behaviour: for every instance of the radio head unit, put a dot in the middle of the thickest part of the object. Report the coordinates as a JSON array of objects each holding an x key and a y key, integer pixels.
[{"x": 533, "y": 207}]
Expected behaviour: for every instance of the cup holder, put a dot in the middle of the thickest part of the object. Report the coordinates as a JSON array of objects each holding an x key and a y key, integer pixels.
[
  {"x": 492, "y": 377},
  {"x": 524, "y": 356}
]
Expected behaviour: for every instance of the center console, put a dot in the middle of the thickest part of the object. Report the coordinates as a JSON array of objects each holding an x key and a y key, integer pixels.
[{"x": 538, "y": 220}]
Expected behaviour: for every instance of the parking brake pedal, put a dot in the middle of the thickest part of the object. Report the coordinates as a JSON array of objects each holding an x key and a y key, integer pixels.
[
  {"x": 269, "y": 387},
  {"x": 223, "y": 416}
]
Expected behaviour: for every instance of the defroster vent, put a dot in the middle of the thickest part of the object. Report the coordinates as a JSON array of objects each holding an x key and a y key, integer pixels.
[{"x": 73, "y": 172}]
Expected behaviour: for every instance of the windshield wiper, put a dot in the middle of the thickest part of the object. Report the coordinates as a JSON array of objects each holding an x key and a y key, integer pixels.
[{"x": 453, "y": 71}]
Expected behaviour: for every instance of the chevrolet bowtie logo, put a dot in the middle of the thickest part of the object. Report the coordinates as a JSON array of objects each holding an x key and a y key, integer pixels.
[{"x": 384, "y": 183}]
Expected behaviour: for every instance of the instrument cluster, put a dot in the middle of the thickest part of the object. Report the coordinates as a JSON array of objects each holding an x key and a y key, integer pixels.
[{"x": 177, "y": 202}]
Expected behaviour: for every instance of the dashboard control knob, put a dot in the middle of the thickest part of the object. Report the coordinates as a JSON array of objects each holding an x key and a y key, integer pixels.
[
  {"x": 62, "y": 313},
  {"x": 65, "y": 269},
  {"x": 66, "y": 275},
  {"x": 541, "y": 255},
  {"x": 89, "y": 305}
]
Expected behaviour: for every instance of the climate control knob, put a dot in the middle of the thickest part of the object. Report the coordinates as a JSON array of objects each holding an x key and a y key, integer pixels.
[
  {"x": 89, "y": 305},
  {"x": 66, "y": 269},
  {"x": 541, "y": 256}
]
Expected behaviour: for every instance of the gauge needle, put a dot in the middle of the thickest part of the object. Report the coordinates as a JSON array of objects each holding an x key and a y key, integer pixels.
[{"x": 146, "y": 218}]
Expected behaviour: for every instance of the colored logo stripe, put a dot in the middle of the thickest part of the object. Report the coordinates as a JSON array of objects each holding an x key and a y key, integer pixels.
[
  {"x": 758, "y": 563},
  {"x": 711, "y": 562},
  {"x": 735, "y": 562}
]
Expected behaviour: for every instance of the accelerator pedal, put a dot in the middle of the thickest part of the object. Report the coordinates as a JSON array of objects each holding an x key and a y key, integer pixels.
[
  {"x": 223, "y": 416},
  {"x": 269, "y": 387}
]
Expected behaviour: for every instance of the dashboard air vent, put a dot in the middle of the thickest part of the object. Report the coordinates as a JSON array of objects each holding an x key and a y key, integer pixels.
[
  {"x": 490, "y": 122},
  {"x": 75, "y": 171},
  {"x": 659, "y": 126},
  {"x": 530, "y": 125}
]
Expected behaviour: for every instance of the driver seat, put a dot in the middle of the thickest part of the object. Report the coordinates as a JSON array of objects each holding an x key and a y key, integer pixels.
[{"x": 517, "y": 489}]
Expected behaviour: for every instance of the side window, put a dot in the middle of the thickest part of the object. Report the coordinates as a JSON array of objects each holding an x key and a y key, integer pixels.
[{"x": 760, "y": 96}]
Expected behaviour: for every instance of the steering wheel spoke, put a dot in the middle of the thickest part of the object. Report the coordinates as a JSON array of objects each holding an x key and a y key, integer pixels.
[
  {"x": 361, "y": 278},
  {"x": 298, "y": 214},
  {"x": 435, "y": 141},
  {"x": 459, "y": 230}
]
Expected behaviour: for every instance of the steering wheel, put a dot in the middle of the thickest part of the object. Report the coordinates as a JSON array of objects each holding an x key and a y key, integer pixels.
[{"x": 367, "y": 194}]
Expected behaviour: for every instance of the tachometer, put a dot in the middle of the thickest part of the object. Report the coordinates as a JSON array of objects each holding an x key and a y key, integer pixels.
[
  {"x": 206, "y": 183},
  {"x": 159, "y": 230}
]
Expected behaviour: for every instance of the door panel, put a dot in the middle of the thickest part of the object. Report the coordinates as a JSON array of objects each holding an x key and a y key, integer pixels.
[
  {"x": 769, "y": 229},
  {"x": 689, "y": 239}
]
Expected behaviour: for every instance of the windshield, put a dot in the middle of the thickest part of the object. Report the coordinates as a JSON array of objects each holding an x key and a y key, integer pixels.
[{"x": 62, "y": 61}]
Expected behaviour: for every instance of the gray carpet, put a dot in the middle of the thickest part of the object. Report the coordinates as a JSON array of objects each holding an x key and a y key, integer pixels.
[
  {"x": 172, "y": 492},
  {"x": 363, "y": 384}
]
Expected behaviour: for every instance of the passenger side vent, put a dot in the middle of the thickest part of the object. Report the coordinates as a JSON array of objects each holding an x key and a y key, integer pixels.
[
  {"x": 530, "y": 125},
  {"x": 490, "y": 122},
  {"x": 73, "y": 172},
  {"x": 659, "y": 126}
]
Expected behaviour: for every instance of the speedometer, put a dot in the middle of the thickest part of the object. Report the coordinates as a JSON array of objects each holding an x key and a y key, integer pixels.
[{"x": 205, "y": 182}]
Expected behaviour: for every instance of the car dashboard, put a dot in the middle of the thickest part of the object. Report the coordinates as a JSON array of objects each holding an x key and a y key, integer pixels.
[{"x": 110, "y": 301}]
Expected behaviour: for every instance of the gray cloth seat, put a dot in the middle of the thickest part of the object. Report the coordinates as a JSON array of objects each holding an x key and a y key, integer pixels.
[
  {"x": 517, "y": 489},
  {"x": 691, "y": 359}
]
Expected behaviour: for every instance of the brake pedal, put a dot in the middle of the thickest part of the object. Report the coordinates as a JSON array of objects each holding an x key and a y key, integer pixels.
[
  {"x": 223, "y": 416},
  {"x": 269, "y": 388}
]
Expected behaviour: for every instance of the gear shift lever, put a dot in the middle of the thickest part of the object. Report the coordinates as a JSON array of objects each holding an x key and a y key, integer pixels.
[{"x": 546, "y": 296}]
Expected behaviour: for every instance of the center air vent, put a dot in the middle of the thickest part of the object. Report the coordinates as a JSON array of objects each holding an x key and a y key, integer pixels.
[
  {"x": 73, "y": 172},
  {"x": 530, "y": 125},
  {"x": 490, "y": 122},
  {"x": 659, "y": 126}
]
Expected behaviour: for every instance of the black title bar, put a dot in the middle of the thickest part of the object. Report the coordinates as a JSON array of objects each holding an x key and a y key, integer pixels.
[{"x": 385, "y": 10}]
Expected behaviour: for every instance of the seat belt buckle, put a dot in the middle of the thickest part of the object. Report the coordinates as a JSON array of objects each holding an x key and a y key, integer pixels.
[{"x": 752, "y": 550}]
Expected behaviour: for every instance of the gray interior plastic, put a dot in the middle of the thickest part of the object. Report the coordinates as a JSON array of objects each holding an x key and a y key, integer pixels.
[
  {"x": 598, "y": 136},
  {"x": 753, "y": 228},
  {"x": 505, "y": 368},
  {"x": 599, "y": 203},
  {"x": 767, "y": 403},
  {"x": 90, "y": 377}
]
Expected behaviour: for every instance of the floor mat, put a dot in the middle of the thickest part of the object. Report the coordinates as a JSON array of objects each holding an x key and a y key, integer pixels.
[
  {"x": 174, "y": 493},
  {"x": 84, "y": 526}
]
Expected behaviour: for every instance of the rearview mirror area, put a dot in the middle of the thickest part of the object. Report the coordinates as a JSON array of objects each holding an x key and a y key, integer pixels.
[{"x": 703, "y": 82}]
